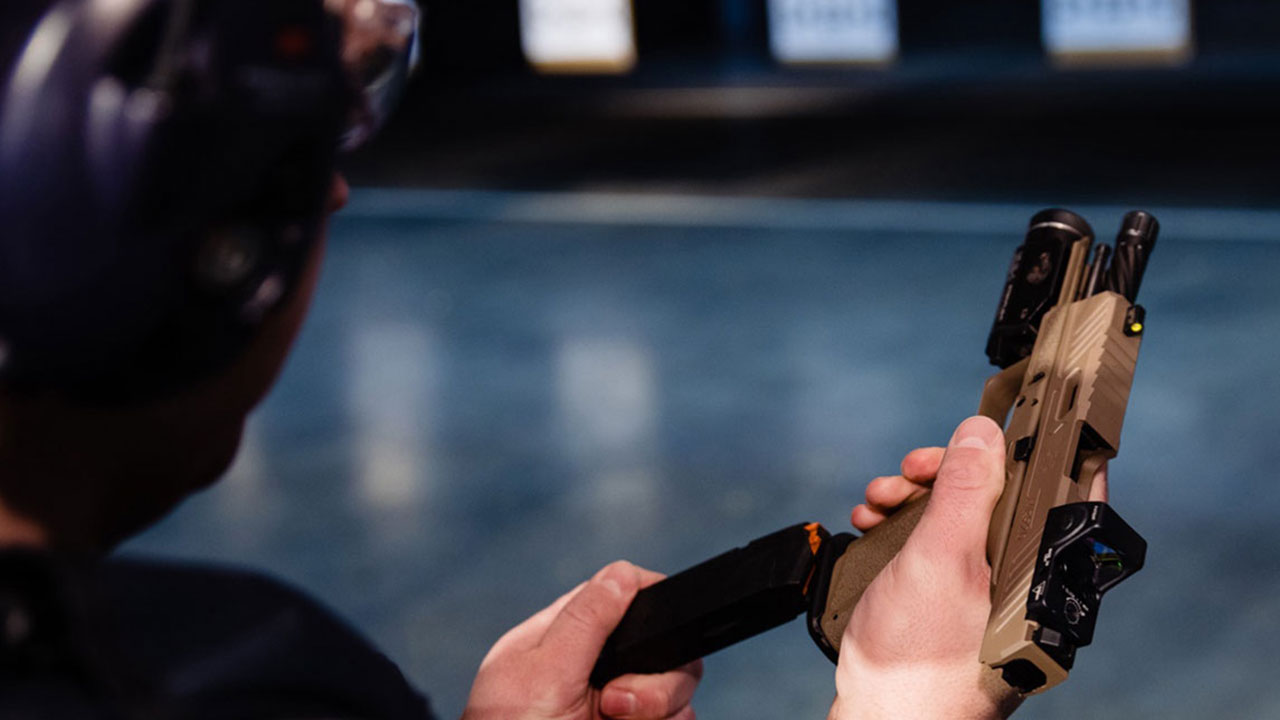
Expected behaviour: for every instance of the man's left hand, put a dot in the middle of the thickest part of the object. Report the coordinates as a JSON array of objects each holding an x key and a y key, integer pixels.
[{"x": 540, "y": 669}]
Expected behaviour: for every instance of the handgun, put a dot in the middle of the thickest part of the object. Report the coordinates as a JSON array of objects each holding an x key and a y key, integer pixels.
[{"x": 1065, "y": 338}]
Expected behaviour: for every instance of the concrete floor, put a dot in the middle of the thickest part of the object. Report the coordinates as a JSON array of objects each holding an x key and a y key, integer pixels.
[{"x": 490, "y": 402}]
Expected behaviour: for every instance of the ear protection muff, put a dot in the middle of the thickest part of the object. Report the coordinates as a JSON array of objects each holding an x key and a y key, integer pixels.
[{"x": 164, "y": 166}]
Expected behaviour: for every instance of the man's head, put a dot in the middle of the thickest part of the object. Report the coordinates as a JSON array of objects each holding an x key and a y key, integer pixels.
[
  {"x": 166, "y": 167},
  {"x": 84, "y": 475}
]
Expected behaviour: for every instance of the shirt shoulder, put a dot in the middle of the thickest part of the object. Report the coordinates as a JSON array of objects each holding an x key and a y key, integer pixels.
[{"x": 223, "y": 642}]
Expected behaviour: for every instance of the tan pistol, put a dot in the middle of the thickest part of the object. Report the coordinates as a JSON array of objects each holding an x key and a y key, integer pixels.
[{"x": 1066, "y": 337}]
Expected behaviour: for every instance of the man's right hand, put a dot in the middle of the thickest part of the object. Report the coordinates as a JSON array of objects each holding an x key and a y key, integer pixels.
[{"x": 911, "y": 648}]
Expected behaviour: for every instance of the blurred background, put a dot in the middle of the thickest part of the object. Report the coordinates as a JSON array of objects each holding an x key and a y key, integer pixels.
[{"x": 652, "y": 279}]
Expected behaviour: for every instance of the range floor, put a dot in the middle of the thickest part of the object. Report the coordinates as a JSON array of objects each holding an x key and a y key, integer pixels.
[{"x": 489, "y": 403}]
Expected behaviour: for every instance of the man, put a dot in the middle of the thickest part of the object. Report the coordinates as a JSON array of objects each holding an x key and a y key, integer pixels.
[{"x": 162, "y": 175}]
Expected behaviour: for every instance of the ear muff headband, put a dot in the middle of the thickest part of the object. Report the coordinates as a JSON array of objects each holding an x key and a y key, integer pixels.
[{"x": 163, "y": 171}]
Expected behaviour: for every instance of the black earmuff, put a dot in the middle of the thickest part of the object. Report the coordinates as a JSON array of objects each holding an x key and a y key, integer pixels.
[{"x": 164, "y": 166}]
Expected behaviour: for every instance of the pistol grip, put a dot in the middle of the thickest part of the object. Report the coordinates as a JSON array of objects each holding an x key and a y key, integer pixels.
[{"x": 854, "y": 570}]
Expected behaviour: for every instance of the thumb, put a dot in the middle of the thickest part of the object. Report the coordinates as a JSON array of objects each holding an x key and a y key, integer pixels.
[
  {"x": 578, "y": 633},
  {"x": 970, "y": 480}
]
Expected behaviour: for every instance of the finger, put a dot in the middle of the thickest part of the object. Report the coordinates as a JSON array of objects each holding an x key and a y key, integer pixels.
[
  {"x": 886, "y": 494},
  {"x": 864, "y": 517},
  {"x": 577, "y": 634},
  {"x": 529, "y": 633},
  {"x": 921, "y": 465},
  {"x": 1098, "y": 491},
  {"x": 965, "y": 492},
  {"x": 647, "y": 577},
  {"x": 684, "y": 714},
  {"x": 651, "y": 697}
]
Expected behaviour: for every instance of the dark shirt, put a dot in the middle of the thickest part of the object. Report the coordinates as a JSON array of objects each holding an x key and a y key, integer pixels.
[{"x": 142, "y": 639}]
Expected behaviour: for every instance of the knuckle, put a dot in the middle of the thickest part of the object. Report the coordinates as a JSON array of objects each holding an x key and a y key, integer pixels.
[
  {"x": 625, "y": 575},
  {"x": 914, "y": 456},
  {"x": 921, "y": 461},
  {"x": 549, "y": 697},
  {"x": 976, "y": 575},
  {"x": 910, "y": 569},
  {"x": 685, "y": 713},
  {"x": 586, "y": 612},
  {"x": 656, "y": 701},
  {"x": 963, "y": 579},
  {"x": 967, "y": 469},
  {"x": 619, "y": 566},
  {"x": 880, "y": 489},
  {"x": 863, "y": 516}
]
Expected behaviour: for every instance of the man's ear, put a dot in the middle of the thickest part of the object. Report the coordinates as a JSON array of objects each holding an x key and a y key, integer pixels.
[{"x": 248, "y": 379}]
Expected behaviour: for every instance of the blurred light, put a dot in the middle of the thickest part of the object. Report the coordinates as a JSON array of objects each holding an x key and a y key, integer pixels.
[
  {"x": 390, "y": 383},
  {"x": 1215, "y": 224},
  {"x": 389, "y": 472},
  {"x": 33, "y": 67},
  {"x": 245, "y": 504},
  {"x": 835, "y": 385},
  {"x": 727, "y": 103},
  {"x": 578, "y": 36},
  {"x": 46, "y": 42},
  {"x": 245, "y": 477},
  {"x": 607, "y": 395},
  {"x": 365, "y": 10},
  {"x": 833, "y": 31},
  {"x": 1117, "y": 32}
]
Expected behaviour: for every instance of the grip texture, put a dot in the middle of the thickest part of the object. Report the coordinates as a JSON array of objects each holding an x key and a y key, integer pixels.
[{"x": 862, "y": 562}]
